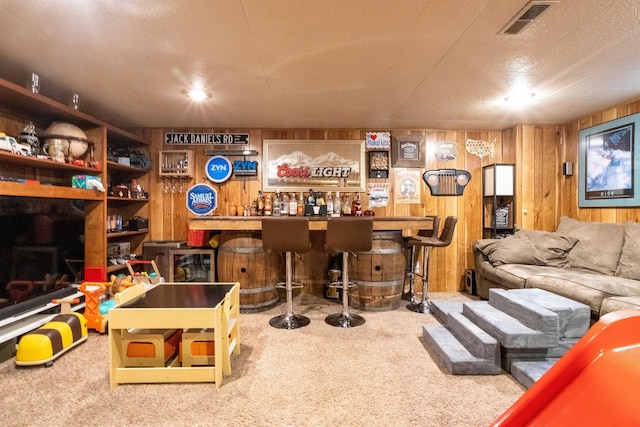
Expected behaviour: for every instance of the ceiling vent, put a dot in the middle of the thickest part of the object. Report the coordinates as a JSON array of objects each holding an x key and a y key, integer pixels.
[{"x": 526, "y": 16}]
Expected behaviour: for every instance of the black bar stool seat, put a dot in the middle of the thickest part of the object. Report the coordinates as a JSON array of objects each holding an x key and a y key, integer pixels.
[
  {"x": 288, "y": 235},
  {"x": 426, "y": 244},
  {"x": 412, "y": 269},
  {"x": 346, "y": 235}
]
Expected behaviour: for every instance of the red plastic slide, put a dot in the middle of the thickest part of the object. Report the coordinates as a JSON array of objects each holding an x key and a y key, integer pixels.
[{"x": 596, "y": 383}]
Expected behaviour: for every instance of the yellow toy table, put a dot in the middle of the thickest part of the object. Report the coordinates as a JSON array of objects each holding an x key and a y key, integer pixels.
[{"x": 171, "y": 306}]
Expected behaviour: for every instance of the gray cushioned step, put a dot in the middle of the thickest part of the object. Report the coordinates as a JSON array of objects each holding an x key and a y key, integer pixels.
[
  {"x": 525, "y": 310},
  {"x": 440, "y": 309},
  {"x": 527, "y": 372},
  {"x": 478, "y": 342},
  {"x": 509, "y": 331},
  {"x": 453, "y": 355},
  {"x": 573, "y": 316}
]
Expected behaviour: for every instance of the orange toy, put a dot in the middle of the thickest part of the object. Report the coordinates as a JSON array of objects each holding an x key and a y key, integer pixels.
[
  {"x": 93, "y": 291},
  {"x": 595, "y": 383}
]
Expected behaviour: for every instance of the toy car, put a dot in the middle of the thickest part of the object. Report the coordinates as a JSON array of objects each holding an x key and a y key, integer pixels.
[{"x": 9, "y": 143}]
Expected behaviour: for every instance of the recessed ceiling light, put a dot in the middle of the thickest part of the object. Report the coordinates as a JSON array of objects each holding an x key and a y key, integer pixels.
[
  {"x": 197, "y": 94},
  {"x": 520, "y": 98}
]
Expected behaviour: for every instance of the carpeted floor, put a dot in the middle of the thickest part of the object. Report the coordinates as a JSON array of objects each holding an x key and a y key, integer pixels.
[{"x": 378, "y": 374}]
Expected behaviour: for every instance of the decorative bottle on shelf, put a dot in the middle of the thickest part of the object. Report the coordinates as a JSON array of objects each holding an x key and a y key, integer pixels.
[
  {"x": 300, "y": 207},
  {"x": 293, "y": 205},
  {"x": 260, "y": 204},
  {"x": 268, "y": 205},
  {"x": 284, "y": 205},
  {"x": 337, "y": 205},
  {"x": 311, "y": 200},
  {"x": 356, "y": 209},
  {"x": 276, "y": 205},
  {"x": 329, "y": 204},
  {"x": 346, "y": 206}
]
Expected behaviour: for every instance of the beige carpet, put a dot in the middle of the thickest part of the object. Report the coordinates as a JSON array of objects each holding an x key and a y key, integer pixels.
[{"x": 378, "y": 374}]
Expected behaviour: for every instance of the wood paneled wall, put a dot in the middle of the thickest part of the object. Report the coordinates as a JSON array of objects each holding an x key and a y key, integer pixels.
[{"x": 543, "y": 194}]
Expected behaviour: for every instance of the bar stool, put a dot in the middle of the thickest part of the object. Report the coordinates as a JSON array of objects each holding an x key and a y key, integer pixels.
[
  {"x": 347, "y": 234},
  {"x": 426, "y": 244},
  {"x": 288, "y": 235},
  {"x": 411, "y": 270}
]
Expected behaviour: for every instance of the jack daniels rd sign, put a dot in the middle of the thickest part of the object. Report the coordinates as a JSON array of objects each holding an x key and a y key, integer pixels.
[{"x": 206, "y": 138}]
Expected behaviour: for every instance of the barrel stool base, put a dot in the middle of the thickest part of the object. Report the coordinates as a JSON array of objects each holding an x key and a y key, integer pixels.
[
  {"x": 421, "y": 307},
  {"x": 289, "y": 321},
  {"x": 345, "y": 320}
]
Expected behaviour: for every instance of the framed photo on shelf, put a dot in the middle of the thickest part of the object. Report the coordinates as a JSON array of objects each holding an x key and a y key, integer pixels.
[
  {"x": 407, "y": 151},
  {"x": 609, "y": 173}
]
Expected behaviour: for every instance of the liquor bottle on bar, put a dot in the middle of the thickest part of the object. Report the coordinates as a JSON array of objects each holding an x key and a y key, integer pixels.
[
  {"x": 276, "y": 204},
  {"x": 329, "y": 204},
  {"x": 300, "y": 207},
  {"x": 310, "y": 199},
  {"x": 320, "y": 199},
  {"x": 337, "y": 205},
  {"x": 260, "y": 203},
  {"x": 346, "y": 206},
  {"x": 284, "y": 205},
  {"x": 268, "y": 205},
  {"x": 293, "y": 205},
  {"x": 356, "y": 209}
]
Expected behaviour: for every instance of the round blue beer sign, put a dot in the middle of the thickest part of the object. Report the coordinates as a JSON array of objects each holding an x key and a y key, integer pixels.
[
  {"x": 218, "y": 169},
  {"x": 202, "y": 199}
]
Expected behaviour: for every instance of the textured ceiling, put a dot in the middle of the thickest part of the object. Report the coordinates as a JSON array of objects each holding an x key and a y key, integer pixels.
[{"x": 385, "y": 64}]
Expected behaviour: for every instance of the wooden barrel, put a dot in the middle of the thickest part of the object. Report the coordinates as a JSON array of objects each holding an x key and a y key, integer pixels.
[
  {"x": 242, "y": 259},
  {"x": 379, "y": 273}
]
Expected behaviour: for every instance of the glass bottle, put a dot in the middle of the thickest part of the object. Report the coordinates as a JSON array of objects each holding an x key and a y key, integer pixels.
[
  {"x": 356, "y": 209},
  {"x": 260, "y": 204},
  {"x": 276, "y": 204},
  {"x": 253, "y": 210},
  {"x": 301, "y": 204},
  {"x": 293, "y": 205},
  {"x": 268, "y": 205},
  {"x": 311, "y": 200},
  {"x": 337, "y": 205},
  {"x": 329, "y": 204},
  {"x": 284, "y": 205},
  {"x": 320, "y": 199},
  {"x": 346, "y": 206}
]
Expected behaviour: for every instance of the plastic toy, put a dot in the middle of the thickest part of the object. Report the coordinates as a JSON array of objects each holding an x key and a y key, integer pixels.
[
  {"x": 44, "y": 345},
  {"x": 144, "y": 277},
  {"x": 95, "y": 311}
]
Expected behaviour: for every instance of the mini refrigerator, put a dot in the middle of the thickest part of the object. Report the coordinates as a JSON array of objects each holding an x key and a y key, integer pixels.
[
  {"x": 158, "y": 251},
  {"x": 192, "y": 265}
]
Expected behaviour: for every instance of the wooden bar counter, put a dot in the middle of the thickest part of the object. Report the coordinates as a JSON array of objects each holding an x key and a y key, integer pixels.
[
  {"x": 257, "y": 271},
  {"x": 406, "y": 224}
]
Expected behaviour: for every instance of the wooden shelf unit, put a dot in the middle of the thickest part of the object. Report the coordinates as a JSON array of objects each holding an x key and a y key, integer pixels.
[{"x": 19, "y": 106}]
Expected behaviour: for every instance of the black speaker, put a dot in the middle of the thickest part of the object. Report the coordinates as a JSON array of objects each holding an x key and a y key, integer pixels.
[{"x": 470, "y": 281}]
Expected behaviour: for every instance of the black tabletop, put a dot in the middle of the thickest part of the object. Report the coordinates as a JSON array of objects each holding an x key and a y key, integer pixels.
[{"x": 181, "y": 296}]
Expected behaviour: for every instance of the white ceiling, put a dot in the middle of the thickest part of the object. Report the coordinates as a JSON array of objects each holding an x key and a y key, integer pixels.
[{"x": 384, "y": 64}]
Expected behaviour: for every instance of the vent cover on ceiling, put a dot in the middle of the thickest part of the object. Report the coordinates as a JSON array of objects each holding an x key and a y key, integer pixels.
[{"x": 526, "y": 16}]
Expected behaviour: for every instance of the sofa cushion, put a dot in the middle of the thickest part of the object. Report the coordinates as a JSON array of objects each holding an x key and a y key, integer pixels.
[
  {"x": 599, "y": 244},
  {"x": 510, "y": 250},
  {"x": 629, "y": 263},
  {"x": 619, "y": 303},
  {"x": 583, "y": 286},
  {"x": 553, "y": 247}
]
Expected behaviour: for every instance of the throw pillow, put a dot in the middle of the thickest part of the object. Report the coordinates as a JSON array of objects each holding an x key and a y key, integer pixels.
[
  {"x": 599, "y": 244},
  {"x": 510, "y": 250},
  {"x": 553, "y": 247},
  {"x": 629, "y": 264}
]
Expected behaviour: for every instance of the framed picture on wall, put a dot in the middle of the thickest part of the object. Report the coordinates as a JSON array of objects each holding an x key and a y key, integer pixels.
[
  {"x": 609, "y": 173},
  {"x": 324, "y": 165},
  {"x": 407, "y": 151}
]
